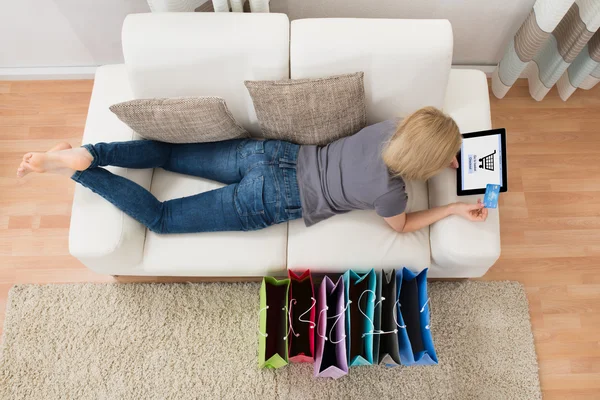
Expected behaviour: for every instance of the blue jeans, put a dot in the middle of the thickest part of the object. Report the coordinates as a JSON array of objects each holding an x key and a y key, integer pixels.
[{"x": 262, "y": 188}]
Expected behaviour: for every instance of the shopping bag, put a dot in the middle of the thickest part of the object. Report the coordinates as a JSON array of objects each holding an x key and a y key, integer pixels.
[
  {"x": 388, "y": 330},
  {"x": 414, "y": 336},
  {"x": 360, "y": 295},
  {"x": 273, "y": 323},
  {"x": 302, "y": 302},
  {"x": 377, "y": 317},
  {"x": 330, "y": 346}
]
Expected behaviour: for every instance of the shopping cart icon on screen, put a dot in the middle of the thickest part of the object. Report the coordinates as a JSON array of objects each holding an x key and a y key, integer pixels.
[{"x": 487, "y": 162}]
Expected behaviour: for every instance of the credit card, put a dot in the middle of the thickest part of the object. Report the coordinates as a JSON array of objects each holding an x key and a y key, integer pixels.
[{"x": 490, "y": 200}]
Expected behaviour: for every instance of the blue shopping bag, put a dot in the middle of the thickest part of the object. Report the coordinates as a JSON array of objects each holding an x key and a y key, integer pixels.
[
  {"x": 360, "y": 303},
  {"x": 413, "y": 319}
]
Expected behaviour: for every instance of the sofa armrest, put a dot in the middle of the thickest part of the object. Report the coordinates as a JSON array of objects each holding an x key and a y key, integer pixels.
[
  {"x": 460, "y": 248},
  {"x": 101, "y": 236}
]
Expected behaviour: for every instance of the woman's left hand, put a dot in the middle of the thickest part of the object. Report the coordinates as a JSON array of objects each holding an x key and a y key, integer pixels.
[{"x": 472, "y": 212}]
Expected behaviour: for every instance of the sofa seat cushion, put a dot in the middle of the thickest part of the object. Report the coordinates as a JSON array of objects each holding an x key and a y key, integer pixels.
[
  {"x": 254, "y": 253},
  {"x": 360, "y": 240}
]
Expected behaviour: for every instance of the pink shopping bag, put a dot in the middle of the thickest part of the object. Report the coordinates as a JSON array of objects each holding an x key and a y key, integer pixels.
[{"x": 330, "y": 353}]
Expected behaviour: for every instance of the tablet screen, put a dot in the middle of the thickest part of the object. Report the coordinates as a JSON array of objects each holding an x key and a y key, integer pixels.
[{"x": 481, "y": 161}]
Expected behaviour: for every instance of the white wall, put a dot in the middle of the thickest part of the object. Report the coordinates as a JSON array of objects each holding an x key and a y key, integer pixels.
[
  {"x": 60, "y": 33},
  {"x": 482, "y": 28},
  {"x": 43, "y": 33}
]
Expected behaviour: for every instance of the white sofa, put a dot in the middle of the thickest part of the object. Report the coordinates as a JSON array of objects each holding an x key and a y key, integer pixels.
[{"x": 407, "y": 65}]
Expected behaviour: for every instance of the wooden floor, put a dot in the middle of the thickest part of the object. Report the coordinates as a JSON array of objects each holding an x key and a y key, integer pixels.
[{"x": 550, "y": 219}]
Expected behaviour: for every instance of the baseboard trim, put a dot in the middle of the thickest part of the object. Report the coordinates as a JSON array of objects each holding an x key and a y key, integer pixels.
[
  {"x": 47, "y": 73},
  {"x": 33, "y": 73},
  {"x": 488, "y": 69}
]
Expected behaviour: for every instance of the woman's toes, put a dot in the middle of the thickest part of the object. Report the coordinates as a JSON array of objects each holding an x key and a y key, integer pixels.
[
  {"x": 38, "y": 162},
  {"x": 27, "y": 156},
  {"x": 23, "y": 169}
]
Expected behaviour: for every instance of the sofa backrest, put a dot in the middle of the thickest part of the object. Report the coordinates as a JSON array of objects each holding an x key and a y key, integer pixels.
[
  {"x": 205, "y": 54},
  {"x": 406, "y": 62}
]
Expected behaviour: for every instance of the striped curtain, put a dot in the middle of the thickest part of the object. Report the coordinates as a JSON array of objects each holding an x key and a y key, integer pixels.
[
  {"x": 558, "y": 44},
  {"x": 256, "y": 6},
  {"x": 261, "y": 6}
]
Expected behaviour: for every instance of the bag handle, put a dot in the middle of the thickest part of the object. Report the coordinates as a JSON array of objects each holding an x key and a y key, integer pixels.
[
  {"x": 423, "y": 309},
  {"x": 372, "y": 331},
  {"x": 338, "y": 317},
  {"x": 259, "y": 311},
  {"x": 312, "y": 326},
  {"x": 319, "y": 321},
  {"x": 361, "y": 311},
  {"x": 289, "y": 315},
  {"x": 291, "y": 328},
  {"x": 395, "y": 313}
]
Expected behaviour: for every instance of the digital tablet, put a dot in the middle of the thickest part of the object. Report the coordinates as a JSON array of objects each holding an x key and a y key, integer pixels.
[{"x": 481, "y": 160}]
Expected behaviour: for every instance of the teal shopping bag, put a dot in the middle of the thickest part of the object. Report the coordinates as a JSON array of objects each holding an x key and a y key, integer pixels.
[
  {"x": 360, "y": 309},
  {"x": 377, "y": 322}
]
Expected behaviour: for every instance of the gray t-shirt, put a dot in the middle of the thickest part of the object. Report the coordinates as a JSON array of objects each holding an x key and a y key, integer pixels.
[{"x": 349, "y": 174}]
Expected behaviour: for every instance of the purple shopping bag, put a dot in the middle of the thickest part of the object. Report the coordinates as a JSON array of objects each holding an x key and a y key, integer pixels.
[{"x": 330, "y": 355}]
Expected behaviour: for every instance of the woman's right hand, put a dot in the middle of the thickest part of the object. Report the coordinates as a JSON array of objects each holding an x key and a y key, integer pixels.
[{"x": 472, "y": 212}]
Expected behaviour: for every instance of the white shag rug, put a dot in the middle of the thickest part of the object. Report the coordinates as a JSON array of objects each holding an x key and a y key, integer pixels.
[{"x": 199, "y": 341}]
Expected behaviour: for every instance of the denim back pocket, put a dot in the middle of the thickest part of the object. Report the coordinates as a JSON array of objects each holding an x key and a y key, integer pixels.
[
  {"x": 251, "y": 147},
  {"x": 249, "y": 203}
]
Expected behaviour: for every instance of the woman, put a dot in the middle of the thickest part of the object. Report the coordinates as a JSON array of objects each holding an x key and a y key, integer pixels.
[{"x": 272, "y": 181}]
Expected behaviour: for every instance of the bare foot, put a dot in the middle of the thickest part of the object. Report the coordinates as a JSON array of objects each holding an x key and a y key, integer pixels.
[
  {"x": 59, "y": 159},
  {"x": 26, "y": 167}
]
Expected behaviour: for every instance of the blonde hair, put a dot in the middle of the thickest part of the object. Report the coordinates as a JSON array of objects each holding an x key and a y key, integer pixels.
[{"x": 423, "y": 145}]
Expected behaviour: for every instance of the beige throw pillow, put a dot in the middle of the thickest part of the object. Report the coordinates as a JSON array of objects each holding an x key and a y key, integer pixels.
[
  {"x": 180, "y": 120},
  {"x": 310, "y": 111}
]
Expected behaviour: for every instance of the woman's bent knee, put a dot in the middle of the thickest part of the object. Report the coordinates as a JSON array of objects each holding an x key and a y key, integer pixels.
[{"x": 158, "y": 225}]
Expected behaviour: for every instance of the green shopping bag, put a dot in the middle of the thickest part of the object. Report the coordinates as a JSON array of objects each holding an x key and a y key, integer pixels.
[{"x": 273, "y": 323}]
